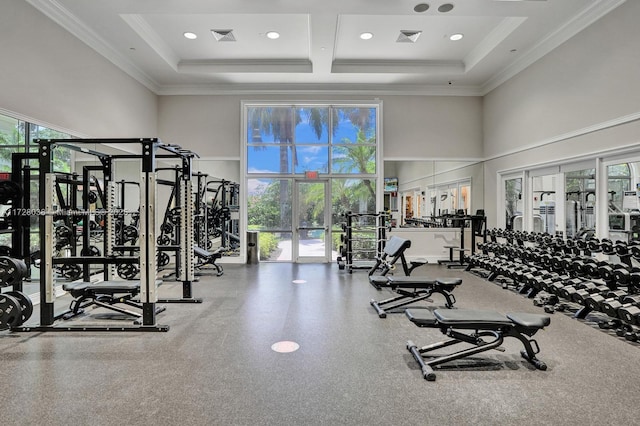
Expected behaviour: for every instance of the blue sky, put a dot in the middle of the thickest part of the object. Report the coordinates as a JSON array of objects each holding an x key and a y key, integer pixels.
[{"x": 309, "y": 156}]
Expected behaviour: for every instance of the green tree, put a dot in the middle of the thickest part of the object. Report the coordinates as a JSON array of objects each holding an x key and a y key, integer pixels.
[
  {"x": 280, "y": 122},
  {"x": 359, "y": 158}
]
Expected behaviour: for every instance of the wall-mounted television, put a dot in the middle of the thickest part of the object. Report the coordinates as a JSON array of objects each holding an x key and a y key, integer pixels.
[{"x": 391, "y": 184}]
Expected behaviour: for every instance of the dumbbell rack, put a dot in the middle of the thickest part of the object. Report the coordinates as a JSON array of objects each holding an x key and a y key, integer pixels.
[
  {"x": 577, "y": 275},
  {"x": 362, "y": 240}
]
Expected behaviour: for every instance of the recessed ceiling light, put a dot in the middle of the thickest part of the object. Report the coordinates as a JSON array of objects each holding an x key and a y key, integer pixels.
[
  {"x": 190, "y": 36},
  {"x": 456, "y": 37},
  {"x": 447, "y": 7},
  {"x": 273, "y": 35},
  {"x": 366, "y": 36},
  {"x": 421, "y": 7}
]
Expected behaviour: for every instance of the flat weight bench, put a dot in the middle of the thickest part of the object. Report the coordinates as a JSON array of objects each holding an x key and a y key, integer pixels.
[
  {"x": 413, "y": 289},
  {"x": 106, "y": 294},
  {"x": 483, "y": 324},
  {"x": 393, "y": 251},
  {"x": 208, "y": 258}
]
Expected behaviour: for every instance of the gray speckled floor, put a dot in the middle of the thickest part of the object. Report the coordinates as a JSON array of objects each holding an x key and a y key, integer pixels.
[{"x": 215, "y": 366}]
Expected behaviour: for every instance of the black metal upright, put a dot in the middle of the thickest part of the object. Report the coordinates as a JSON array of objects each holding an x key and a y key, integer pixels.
[
  {"x": 148, "y": 295},
  {"x": 47, "y": 296}
]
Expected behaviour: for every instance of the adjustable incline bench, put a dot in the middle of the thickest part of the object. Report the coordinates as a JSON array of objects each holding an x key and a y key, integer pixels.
[
  {"x": 482, "y": 324},
  {"x": 393, "y": 251},
  {"x": 208, "y": 258},
  {"x": 106, "y": 294},
  {"x": 409, "y": 289},
  {"x": 414, "y": 289}
]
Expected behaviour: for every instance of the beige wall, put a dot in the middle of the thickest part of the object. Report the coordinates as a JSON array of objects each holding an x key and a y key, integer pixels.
[
  {"x": 49, "y": 76},
  {"x": 420, "y": 127},
  {"x": 582, "y": 98}
]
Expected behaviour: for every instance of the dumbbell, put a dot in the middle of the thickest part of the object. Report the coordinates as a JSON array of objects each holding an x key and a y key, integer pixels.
[
  {"x": 630, "y": 309},
  {"x": 551, "y": 284},
  {"x": 594, "y": 245},
  {"x": 545, "y": 299},
  {"x": 596, "y": 301},
  {"x": 558, "y": 263},
  {"x": 571, "y": 287},
  {"x": 533, "y": 279},
  {"x": 521, "y": 275},
  {"x": 587, "y": 289},
  {"x": 621, "y": 248},
  {"x": 606, "y": 246}
]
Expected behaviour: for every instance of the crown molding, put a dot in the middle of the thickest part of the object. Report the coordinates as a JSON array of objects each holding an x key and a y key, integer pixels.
[
  {"x": 60, "y": 15},
  {"x": 554, "y": 39}
]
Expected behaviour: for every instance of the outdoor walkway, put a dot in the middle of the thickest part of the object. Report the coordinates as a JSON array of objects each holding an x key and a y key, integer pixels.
[{"x": 311, "y": 247}]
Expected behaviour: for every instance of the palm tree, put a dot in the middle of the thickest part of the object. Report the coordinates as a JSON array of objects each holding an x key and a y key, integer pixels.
[
  {"x": 359, "y": 158},
  {"x": 280, "y": 122}
]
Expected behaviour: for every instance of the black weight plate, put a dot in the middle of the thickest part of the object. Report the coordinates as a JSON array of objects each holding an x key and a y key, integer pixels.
[
  {"x": 12, "y": 271},
  {"x": 163, "y": 259},
  {"x": 173, "y": 215},
  {"x": 9, "y": 191},
  {"x": 26, "y": 305},
  {"x": 91, "y": 251},
  {"x": 9, "y": 312},
  {"x": 21, "y": 267},
  {"x": 63, "y": 232},
  {"x": 164, "y": 240},
  {"x": 71, "y": 272},
  {"x": 127, "y": 271},
  {"x": 130, "y": 233},
  {"x": 5, "y": 251},
  {"x": 93, "y": 197}
]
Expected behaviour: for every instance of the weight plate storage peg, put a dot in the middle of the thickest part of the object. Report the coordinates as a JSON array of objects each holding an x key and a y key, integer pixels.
[
  {"x": 10, "y": 314},
  {"x": 26, "y": 305}
]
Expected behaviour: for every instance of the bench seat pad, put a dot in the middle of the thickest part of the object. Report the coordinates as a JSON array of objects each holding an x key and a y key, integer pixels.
[
  {"x": 529, "y": 320},
  {"x": 105, "y": 287},
  {"x": 408, "y": 281},
  {"x": 463, "y": 318}
]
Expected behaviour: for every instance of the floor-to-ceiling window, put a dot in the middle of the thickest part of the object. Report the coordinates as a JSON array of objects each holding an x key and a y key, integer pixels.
[
  {"x": 19, "y": 136},
  {"x": 286, "y": 145}
]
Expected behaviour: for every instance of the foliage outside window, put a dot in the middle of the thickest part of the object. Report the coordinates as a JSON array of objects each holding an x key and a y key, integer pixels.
[
  {"x": 284, "y": 142},
  {"x": 18, "y": 136}
]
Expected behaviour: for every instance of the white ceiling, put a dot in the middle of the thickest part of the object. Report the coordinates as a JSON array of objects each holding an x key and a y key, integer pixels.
[{"x": 319, "y": 49}]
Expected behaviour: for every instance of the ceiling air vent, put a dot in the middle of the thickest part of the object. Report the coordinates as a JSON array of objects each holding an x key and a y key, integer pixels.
[
  {"x": 408, "y": 36},
  {"x": 223, "y": 35}
]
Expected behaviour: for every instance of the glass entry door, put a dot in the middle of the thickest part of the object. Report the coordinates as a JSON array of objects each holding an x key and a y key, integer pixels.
[{"x": 312, "y": 214}]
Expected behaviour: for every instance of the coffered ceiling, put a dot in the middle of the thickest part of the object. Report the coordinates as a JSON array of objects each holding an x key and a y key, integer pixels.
[{"x": 319, "y": 48}]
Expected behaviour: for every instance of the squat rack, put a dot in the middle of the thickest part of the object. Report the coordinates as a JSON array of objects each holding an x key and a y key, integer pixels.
[{"x": 150, "y": 150}]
